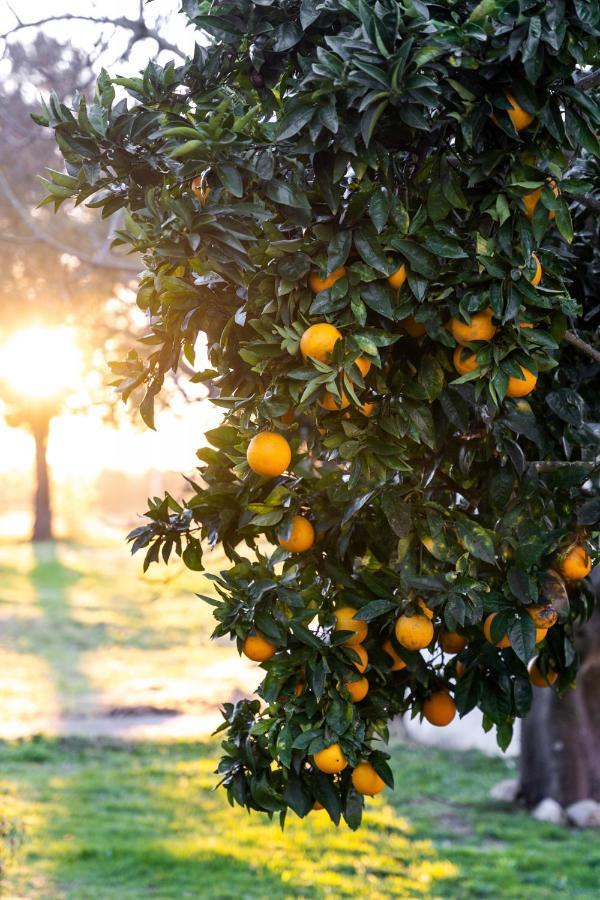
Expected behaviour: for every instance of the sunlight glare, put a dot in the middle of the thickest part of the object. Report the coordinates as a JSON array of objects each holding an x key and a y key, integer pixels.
[{"x": 41, "y": 362}]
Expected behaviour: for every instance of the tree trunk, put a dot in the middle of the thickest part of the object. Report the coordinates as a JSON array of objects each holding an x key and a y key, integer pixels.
[
  {"x": 560, "y": 738},
  {"x": 42, "y": 522}
]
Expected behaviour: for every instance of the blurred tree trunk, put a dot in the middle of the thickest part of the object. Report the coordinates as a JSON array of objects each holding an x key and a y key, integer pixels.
[
  {"x": 42, "y": 522},
  {"x": 560, "y": 738}
]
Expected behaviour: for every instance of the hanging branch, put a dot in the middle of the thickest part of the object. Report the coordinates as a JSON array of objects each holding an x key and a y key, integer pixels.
[
  {"x": 582, "y": 346},
  {"x": 99, "y": 261}
]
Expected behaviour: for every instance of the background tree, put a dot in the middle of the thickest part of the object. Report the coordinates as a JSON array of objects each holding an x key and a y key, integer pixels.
[
  {"x": 398, "y": 175},
  {"x": 59, "y": 270}
]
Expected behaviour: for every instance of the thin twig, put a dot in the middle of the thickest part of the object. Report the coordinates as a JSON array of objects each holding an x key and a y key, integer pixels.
[
  {"x": 589, "y": 81},
  {"x": 553, "y": 465},
  {"x": 582, "y": 346}
]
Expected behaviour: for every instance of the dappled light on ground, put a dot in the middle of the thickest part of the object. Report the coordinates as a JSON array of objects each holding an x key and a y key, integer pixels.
[{"x": 101, "y": 649}]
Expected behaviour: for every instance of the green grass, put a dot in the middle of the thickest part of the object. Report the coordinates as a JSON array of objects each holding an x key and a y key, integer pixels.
[
  {"x": 105, "y": 821},
  {"x": 81, "y": 634}
]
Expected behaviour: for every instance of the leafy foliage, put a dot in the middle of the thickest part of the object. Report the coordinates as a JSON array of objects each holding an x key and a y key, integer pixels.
[{"x": 365, "y": 135}]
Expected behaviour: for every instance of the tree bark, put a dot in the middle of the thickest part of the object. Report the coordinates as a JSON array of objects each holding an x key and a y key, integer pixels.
[
  {"x": 560, "y": 738},
  {"x": 42, "y": 522}
]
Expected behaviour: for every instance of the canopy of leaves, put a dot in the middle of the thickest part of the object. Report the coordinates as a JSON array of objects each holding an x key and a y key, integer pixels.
[{"x": 367, "y": 135}]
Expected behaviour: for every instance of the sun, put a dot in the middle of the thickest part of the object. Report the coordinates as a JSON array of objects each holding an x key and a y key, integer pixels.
[{"x": 41, "y": 362}]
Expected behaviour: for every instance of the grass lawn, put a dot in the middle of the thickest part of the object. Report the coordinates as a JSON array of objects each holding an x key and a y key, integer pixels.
[
  {"x": 117, "y": 821},
  {"x": 82, "y": 638}
]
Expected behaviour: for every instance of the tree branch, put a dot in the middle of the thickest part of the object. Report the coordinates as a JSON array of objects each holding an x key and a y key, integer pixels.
[
  {"x": 124, "y": 265},
  {"x": 556, "y": 464},
  {"x": 585, "y": 200},
  {"x": 589, "y": 81},
  {"x": 138, "y": 27},
  {"x": 582, "y": 346}
]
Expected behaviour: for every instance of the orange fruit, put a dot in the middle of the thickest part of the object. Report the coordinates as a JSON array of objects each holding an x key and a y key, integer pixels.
[
  {"x": 358, "y": 690},
  {"x": 526, "y": 325},
  {"x": 520, "y": 387},
  {"x": 397, "y": 663},
  {"x": 538, "y": 271},
  {"x": 543, "y": 614},
  {"x": 302, "y": 536},
  {"x": 319, "y": 340},
  {"x": 330, "y": 403},
  {"x": 503, "y": 642},
  {"x": 299, "y": 687},
  {"x": 460, "y": 668},
  {"x": 319, "y": 284},
  {"x": 364, "y": 657},
  {"x": 424, "y": 608},
  {"x": 439, "y": 708},
  {"x": 575, "y": 564},
  {"x": 536, "y": 675},
  {"x": 530, "y": 201},
  {"x": 258, "y": 648},
  {"x": 345, "y": 621},
  {"x": 330, "y": 760},
  {"x": 464, "y": 361},
  {"x": 397, "y": 278},
  {"x": 414, "y": 328},
  {"x": 363, "y": 364},
  {"x": 366, "y": 780},
  {"x": 268, "y": 454},
  {"x": 200, "y": 190},
  {"x": 540, "y": 634},
  {"x": 414, "y": 632},
  {"x": 452, "y": 642},
  {"x": 288, "y": 417},
  {"x": 366, "y": 409},
  {"x": 481, "y": 328},
  {"x": 518, "y": 116}
]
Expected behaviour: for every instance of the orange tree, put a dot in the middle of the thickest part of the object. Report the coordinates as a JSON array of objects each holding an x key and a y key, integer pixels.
[{"x": 366, "y": 207}]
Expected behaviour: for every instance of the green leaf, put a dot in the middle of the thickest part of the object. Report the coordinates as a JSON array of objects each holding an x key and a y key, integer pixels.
[
  {"x": 478, "y": 541},
  {"x": 522, "y": 636}
]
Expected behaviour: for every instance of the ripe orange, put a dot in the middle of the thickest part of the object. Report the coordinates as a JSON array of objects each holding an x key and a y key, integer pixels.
[
  {"x": 540, "y": 634},
  {"x": 358, "y": 690},
  {"x": 363, "y": 364},
  {"x": 322, "y": 284},
  {"x": 543, "y": 614},
  {"x": 526, "y": 325},
  {"x": 366, "y": 780},
  {"x": 503, "y": 642},
  {"x": 397, "y": 278},
  {"x": 200, "y": 189},
  {"x": 414, "y": 328},
  {"x": 414, "y": 632},
  {"x": 536, "y": 675},
  {"x": 345, "y": 621},
  {"x": 518, "y": 116},
  {"x": 300, "y": 687},
  {"x": 397, "y": 663},
  {"x": 330, "y": 760},
  {"x": 538, "y": 271},
  {"x": 364, "y": 657},
  {"x": 480, "y": 329},
  {"x": 258, "y": 648},
  {"x": 530, "y": 201},
  {"x": 302, "y": 536},
  {"x": 520, "y": 387},
  {"x": 366, "y": 409},
  {"x": 319, "y": 340},
  {"x": 439, "y": 708},
  {"x": 452, "y": 642},
  {"x": 330, "y": 403},
  {"x": 575, "y": 564},
  {"x": 460, "y": 668},
  {"x": 464, "y": 361},
  {"x": 288, "y": 417},
  {"x": 268, "y": 454},
  {"x": 424, "y": 608}
]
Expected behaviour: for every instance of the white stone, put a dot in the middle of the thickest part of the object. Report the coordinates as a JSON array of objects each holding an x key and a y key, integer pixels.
[
  {"x": 584, "y": 814},
  {"x": 505, "y": 791},
  {"x": 548, "y": 810}
]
